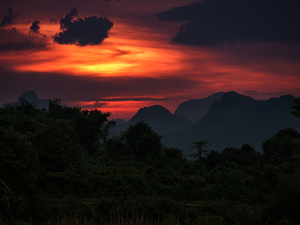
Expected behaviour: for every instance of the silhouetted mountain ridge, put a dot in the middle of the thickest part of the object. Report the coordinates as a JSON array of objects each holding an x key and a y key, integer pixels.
[
  {"x": 159, "y": 118},
  {"x": 31, "y": 97},
  {"x": 155, "y": 112},
  {"x": 195, "y": 109},
  {"x": 237, "y": 119}
]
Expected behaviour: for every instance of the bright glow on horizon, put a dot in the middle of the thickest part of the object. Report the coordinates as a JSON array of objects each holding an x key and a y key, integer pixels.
[
  {"x": 131, "y": 55},
  {"x": 172, "y": 71}
]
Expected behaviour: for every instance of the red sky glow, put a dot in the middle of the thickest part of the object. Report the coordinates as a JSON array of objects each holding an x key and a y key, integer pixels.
[{"x": 138, "y": 64}]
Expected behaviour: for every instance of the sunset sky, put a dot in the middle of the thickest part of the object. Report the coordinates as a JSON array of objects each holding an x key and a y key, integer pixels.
[{"x": 122, "y": 55}]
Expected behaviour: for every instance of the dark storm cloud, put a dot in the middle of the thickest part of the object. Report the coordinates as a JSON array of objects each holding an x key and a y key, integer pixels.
[
  {"x": 7, "y": 20},
  {"x": 67, "y": 21},
  {"x": 88, "y": 31},
  {"x": 210, "y": 22}
]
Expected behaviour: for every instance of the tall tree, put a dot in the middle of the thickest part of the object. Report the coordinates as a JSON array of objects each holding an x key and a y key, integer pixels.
[{"x": 199, "y": 145}]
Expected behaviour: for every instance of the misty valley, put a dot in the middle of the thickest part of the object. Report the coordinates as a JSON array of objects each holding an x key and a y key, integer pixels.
[{"x": 224, "y": 159}]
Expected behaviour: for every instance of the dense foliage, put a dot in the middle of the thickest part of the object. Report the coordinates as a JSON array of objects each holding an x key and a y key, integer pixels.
[{"x": 60, "y": 164}]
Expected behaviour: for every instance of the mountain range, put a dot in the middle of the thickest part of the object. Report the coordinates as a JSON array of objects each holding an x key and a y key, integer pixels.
[
  {"x": 225, "y": 119},
  {"x": 159, "y": 118},
  {"x": 237, "y": 119},
  {"x": 231, "y": 120},
  {"x": 195, "y": 109}
]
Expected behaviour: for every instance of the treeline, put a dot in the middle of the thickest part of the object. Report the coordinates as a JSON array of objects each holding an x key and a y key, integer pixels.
[{"x": 60, "y": 165}]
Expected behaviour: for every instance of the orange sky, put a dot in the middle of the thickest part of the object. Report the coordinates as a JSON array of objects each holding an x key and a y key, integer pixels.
[{"x": 136, "y": 66}]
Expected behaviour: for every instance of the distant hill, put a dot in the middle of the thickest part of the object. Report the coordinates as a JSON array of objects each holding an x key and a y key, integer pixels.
[
  {"x": 159, "y": 118},
  {"x": 31, "y": 97},
  {"x": 237, "y": 119},
  {"x": 119, "y": 121},
  {"x": 195, "y": 109}
]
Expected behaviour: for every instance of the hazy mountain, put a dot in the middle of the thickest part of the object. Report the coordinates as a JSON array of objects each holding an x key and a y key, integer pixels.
[
  {"x": 159, "y": 118},
  {"x": 196, "y": 109},
  {"x": 31, "y": 97},
  {"x": 119, "y": 121},
  {"x": 237, "y": 119}
]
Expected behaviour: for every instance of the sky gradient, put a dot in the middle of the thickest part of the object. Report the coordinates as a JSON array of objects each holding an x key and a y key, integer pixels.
[{"x": 119, "y": 56}]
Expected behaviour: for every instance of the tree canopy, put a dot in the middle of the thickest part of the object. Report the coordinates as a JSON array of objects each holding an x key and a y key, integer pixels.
[
  {"x": 61, "y": 166},
  {"x": 296, "y": 107}
]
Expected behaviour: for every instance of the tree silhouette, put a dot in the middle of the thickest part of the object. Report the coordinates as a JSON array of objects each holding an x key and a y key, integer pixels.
[
  {"x": 296, "y": 107},
  {"x": 199, "y": 145},
  {"x": 141, "y": 140},
  {"x": 283, "y": 146}
]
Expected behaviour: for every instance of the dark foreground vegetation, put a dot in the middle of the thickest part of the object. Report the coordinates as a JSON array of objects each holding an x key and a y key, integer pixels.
[{"x": 58, "y": 166}]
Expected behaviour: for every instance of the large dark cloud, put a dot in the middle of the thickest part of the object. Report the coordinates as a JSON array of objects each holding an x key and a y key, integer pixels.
[
  {"x": 67, "y": 21},
  {"x": 88, "y": 31},
  {"x": 8, "y": 20},
  {"x": 210, "y": 22}
]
